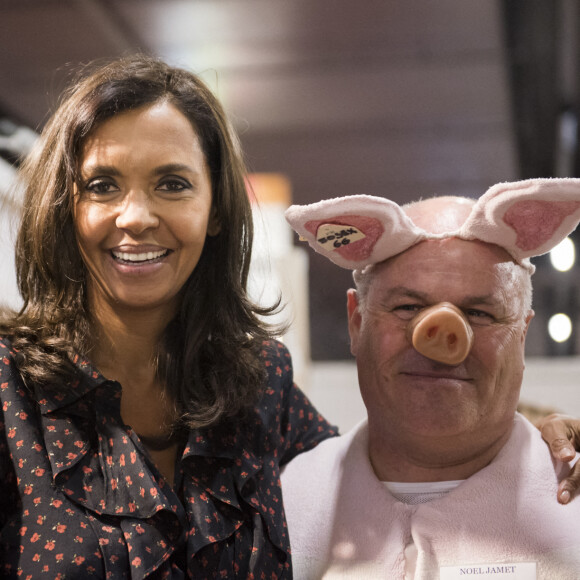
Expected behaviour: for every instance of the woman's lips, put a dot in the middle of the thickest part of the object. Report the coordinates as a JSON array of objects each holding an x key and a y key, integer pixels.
[{"x": 138, "y": 257}]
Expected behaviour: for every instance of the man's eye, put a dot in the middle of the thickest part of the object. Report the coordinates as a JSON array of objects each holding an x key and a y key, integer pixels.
[
  {"x": 407, "y": 311},
  {"x": 479, "y": 316}
]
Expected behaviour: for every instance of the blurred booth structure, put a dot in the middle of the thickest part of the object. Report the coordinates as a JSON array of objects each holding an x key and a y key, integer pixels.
[
  {"x": 9, "y": 213},
  {"x": 15, "y": 142},
  {"x": 279, "y": 269}
]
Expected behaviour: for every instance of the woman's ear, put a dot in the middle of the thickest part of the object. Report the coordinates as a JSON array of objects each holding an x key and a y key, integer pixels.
[{"x": 214, "y": 226}]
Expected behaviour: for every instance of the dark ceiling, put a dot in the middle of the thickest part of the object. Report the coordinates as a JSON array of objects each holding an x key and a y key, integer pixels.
[{"x": 398, "y": 99}]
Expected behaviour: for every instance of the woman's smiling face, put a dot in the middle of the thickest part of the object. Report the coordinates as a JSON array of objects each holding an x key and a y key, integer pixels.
[{"x": 143, "y": 207}]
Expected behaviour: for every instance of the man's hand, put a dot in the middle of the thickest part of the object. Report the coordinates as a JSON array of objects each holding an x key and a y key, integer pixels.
[{"x": 562, "y": 434}]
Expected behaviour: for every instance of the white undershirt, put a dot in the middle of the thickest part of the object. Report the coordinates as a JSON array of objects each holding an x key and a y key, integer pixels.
[{"x": 415, "y": 494}]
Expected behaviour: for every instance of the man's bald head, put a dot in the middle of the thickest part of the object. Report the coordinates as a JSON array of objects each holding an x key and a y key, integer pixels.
[{"x": 437, "y": 215}]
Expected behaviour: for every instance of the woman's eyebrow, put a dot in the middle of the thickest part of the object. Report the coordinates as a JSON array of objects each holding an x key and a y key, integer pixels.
[
  {"x": 88, "y": 169},
  {"x": 173, "y": 168}
]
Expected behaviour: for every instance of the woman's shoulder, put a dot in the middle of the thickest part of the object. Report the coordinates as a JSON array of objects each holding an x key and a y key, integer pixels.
[
  {"x": 278, "y": 365},
  {"x": 13, "y": 389},
  {"x": 9, "y": 372},
  {"x": 6, "y": 350},
  {"x": 274, "y": 351},
  {"x": 287, "y": 415}
]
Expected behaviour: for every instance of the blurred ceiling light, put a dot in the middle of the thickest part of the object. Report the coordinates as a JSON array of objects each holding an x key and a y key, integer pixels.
[
  {"x": 560, "y": 327},
  {"x": 563, "y": 255}
]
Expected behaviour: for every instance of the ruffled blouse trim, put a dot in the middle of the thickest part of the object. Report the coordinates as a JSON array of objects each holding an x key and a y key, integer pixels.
[
  {"x": 237, "y": 483},
  {"x": 100, "y": 464}
]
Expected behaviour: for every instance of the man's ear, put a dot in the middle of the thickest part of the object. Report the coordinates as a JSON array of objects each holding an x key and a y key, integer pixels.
[
  {"x": 527, "y": 321},
  {"x": 354, "y": 319}
]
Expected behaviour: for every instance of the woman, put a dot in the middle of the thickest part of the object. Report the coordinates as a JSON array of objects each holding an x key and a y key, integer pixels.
[{"x": 146, "y": 408}]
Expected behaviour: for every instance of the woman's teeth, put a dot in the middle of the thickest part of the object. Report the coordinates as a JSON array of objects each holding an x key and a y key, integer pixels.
[{"x": 143, "y": 257}]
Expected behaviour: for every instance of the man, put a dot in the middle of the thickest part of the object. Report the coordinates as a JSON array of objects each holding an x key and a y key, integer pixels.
[{"x": 444, "y": 480}]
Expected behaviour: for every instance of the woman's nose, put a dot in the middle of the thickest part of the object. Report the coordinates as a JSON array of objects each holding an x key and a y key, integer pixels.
[
  {"x": 136, "y": 213},
  {"x": 441, "y": 333}
]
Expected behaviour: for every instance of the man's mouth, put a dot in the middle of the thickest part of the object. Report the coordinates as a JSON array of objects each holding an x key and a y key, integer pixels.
[
  {"x": 439, "y": 376},
  {"x": 140, "y": 258},
  {"x": 437, "y": 371}
]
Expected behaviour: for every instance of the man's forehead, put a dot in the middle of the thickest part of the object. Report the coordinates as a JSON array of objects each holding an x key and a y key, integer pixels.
[
  {"x": 442, "y": 247},
  {"x": 465, "y": 260}
]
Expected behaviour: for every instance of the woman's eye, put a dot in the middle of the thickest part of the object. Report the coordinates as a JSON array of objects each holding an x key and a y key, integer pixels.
[
  {"x": 174, "y": 184},
  {"x": 100, "y": 186}
]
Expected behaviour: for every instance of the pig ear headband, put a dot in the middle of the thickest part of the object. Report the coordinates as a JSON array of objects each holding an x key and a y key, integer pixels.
[{"x": 526, "y": 218}]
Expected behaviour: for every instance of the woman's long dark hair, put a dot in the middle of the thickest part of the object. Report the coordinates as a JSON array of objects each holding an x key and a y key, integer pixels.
[{"x": 209, "y": 356}]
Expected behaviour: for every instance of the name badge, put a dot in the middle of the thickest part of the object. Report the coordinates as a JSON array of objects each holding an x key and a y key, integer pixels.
[{"x": 511, "y": 571}]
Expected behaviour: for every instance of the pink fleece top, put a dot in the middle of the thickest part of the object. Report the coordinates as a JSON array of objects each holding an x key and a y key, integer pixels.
[{"x": 344, "y": 523}]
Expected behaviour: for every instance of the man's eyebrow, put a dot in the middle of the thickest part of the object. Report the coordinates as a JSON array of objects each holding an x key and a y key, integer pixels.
[
  {"x": 488, "y": 299},
  {"x": 404, "y": 291}
]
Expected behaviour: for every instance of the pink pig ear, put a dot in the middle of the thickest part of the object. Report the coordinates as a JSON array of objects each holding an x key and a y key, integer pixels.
[
  {"x": 354, "y": 231},
  {"x": 527, "y": 218}
]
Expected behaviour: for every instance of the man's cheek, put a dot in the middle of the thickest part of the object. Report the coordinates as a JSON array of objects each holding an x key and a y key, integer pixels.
[{"x": 494, "y": 340}]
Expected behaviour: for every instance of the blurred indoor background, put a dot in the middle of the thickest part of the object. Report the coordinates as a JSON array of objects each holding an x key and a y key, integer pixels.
[{"x": 402, "y": 99}]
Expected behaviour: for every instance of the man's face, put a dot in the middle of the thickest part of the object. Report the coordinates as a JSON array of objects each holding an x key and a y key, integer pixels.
[{"x": 406, "y": 392}]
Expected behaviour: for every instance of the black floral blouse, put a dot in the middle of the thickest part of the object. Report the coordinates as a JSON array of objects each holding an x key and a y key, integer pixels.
[{"x": 80, "y": 498}]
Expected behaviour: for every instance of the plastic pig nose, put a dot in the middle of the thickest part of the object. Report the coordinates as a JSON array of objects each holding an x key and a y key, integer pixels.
[{"x": 441, "y": 333}]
